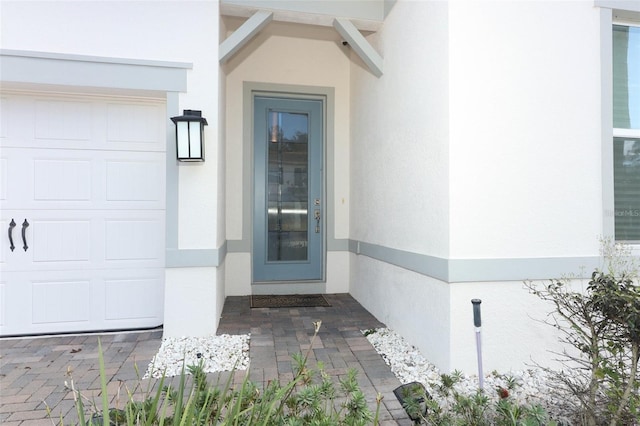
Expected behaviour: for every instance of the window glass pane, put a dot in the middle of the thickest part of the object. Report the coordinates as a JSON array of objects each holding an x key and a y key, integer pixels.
[
  {"x": 626, "y": 172},
  {"x": 287, "y": 196},
  {"x": 626, "y": 77}
]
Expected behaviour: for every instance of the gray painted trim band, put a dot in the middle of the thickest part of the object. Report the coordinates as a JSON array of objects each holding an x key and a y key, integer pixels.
[
  {"x": 630, "y": 5},
  {"x": 475, "y": 270},
  {"x": 89, "y": 58},
  {"x": 423, "y": 264},
  {"x": 238, "y": 246},
  {"x": 334, "y": 244},
  {"x": 193, "y": 258},
  {"x": 222, "y": 253},
  {"x": 89, "y": 71},
  {"x": 446, "y": 270},
  {"x": 544, "y": 268}
]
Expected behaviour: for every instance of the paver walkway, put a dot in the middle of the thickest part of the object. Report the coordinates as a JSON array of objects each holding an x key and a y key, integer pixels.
[{"x": 33, "y": 370}]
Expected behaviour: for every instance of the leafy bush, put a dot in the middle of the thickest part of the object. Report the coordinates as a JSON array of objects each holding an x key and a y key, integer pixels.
[{"x": 602, "y": 325}]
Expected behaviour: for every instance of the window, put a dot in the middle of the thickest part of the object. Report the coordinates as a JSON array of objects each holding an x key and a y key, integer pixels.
[{"x": 626, "y": 123}]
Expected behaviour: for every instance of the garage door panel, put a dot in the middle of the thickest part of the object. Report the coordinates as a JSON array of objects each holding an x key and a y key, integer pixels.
[
  {"x": 4, "y": 240},
  {"x": 34, "y": 177},
  {"x": 88, "y": 173},
  {"x": 75, "y": 301},
  {"x": 4, "y": 122},
  {"x": 123, "y": 298},
  {"x": 61, "y": 241},
  {"x": 3, "y": 179},
  {"x": 133, "y": 240},
  {"x": 56, "y": 240},
  {"x": 81, "y": 180},
  {"x": 63, "y": 121},
  {"x": 61, "y": 301},
  {"x": 62, "y": 180},
  {"x": 3, "y": 298},
  {"x": 133, "y": 123},
  {"x": 80, "y": 122},
  {"x": 14, "y": 178},
  {"x": 134, "y": 181}
]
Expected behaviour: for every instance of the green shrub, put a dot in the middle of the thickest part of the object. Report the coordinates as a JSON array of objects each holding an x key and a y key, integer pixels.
[{"x": 602, "y": 324}]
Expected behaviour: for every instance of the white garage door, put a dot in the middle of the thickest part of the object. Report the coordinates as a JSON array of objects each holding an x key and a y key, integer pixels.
[{"x": 82, "y": 193}]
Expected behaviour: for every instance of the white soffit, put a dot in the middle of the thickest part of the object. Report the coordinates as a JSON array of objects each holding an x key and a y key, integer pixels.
[{"x": 298, "y": 17}]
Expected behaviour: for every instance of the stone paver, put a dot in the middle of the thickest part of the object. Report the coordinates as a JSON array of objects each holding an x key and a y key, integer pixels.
[{"x": 33, "y": 371}]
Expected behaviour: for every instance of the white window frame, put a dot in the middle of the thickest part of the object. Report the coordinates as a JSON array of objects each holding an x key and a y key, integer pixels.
[
  {"x": 626, "y": 133},
  {"x": 612, "y": 12}
]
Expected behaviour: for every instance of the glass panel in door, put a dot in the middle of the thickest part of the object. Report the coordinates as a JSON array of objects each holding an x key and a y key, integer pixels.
[{"x": 287, "y": 198}]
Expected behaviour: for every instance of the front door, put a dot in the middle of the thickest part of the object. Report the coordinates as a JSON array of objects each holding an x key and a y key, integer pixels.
[{"x": 288, "y": 191}]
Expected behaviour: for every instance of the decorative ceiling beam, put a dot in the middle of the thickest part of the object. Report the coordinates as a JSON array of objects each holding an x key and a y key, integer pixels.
[
  {"x": 360, "y": 45},
  {"x": 242, "y": 35}
]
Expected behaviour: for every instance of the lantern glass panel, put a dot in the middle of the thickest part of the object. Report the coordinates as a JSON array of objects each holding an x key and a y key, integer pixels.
[
  {"x": 194, "y": 140},
  {"x": 182, "y": 135}
]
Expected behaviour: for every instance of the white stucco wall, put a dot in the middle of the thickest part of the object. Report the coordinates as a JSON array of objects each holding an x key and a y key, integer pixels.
[
  {"x": 524, "y": 110},
  {"x": 514, "y": 336},
  {"x": 192, "y": 301},
  {"x": 293, "y": 55},
  {"x": 399, "y": 173},
  {"x": 415, "y": 306},
  {"x": 524, "y": 96},
  {"x": 400, "y": 158},
  {"x": 480, "y": 141},
  {"x": 151, "y": 31}
]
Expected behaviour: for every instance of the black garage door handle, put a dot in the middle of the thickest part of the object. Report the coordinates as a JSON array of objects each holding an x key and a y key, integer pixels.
[
  {"x": 25, "y": 225},
  {"x": 12, "y": 225}
]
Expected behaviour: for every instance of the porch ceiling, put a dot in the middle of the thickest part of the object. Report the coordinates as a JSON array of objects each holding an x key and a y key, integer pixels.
[{"x": 321, "y": 15}]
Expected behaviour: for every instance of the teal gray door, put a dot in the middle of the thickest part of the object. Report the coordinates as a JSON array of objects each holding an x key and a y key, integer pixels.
[{"x": 288, "y": 202}]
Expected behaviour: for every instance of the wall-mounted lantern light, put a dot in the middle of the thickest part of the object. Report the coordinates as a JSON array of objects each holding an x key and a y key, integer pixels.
[{"x": 190, "y": 135}]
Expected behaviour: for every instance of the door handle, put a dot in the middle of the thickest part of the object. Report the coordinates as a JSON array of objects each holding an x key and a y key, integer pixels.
[
  {"x": 25, "y": 225},
  {"x": 12, "y": 225},
  {"x": 317, "y": 216}
]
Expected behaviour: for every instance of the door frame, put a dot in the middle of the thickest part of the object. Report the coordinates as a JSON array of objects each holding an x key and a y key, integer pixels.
[
  {"x": 287, "y": 271},
  {"x": 244, "y": 245}
]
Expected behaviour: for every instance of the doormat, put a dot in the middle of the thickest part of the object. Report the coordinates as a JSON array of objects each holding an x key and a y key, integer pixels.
[{"x": 288, "y": 301}]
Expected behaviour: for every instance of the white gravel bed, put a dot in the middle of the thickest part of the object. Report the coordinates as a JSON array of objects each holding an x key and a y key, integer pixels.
[
  {"x": 409, "y": 365},
  {"x": 217, "y": 353}
]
